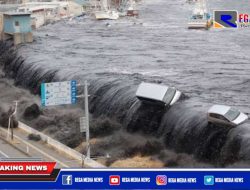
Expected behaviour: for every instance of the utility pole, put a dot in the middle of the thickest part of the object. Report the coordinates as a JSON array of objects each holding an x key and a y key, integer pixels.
[
  {"x": 12, "y": 126},
  {"x": 84, "y": 123},
  {"x": 87, "y": 117},
  {"x": 11, "y": 122}
]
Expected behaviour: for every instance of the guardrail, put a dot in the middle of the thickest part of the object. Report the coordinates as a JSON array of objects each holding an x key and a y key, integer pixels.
[
  {"x": 61, "y": 147},
  {"x": 28, "y": 146},
  {"x": 32, "y": 159}
]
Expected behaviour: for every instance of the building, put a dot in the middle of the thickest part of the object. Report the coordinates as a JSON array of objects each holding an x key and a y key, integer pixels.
[
  {"x": 17, "y": 25},
  {"x": 43, "y": 13}
]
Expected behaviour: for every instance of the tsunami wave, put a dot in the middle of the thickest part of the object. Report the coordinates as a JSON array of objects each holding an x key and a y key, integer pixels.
[{"x": 182, "y": 127}]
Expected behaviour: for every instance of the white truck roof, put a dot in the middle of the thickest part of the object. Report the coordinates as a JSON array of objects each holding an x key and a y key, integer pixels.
[
  {"x": 219, "y": 109},
  {"x": 151, "y": 91}
]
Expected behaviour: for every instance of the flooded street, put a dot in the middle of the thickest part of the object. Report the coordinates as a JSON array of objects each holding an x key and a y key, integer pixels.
[{"x": 209, "y": 66}]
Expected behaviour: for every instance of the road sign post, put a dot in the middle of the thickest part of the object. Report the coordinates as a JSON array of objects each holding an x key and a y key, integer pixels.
[
  {"x": 59, "y": 93},
  {"x": 87, "y": 117}
]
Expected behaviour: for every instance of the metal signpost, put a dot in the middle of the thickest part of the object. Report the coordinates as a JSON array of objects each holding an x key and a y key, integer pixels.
[
  {"x": 60, "y": 93},
  {"x": 87, "y": 117}
]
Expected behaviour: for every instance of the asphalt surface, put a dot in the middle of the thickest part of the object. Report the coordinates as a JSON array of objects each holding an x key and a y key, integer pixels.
[
  {"x": 16, "y": 149},
  {"x": 9, "y": 151}
]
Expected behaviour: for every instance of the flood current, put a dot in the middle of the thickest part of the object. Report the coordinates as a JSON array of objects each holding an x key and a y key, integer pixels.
[{"x": 208, "y": 66}]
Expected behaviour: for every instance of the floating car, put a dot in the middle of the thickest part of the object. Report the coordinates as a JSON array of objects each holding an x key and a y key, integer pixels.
[
  {"x": 155, "y": 93},
  {"x": 225, "y": 115}
]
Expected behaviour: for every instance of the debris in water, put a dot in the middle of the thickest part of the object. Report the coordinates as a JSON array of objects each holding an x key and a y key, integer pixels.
[
  {"x": 34, "y": 137},
  {"x": 32, "y": 112}
]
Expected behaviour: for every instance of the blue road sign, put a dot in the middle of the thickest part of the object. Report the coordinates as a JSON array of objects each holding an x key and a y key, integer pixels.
[{"x": 58, "y": 93}]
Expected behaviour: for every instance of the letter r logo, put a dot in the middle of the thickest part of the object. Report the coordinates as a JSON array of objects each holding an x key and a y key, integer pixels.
[{"x": 225, "y": 19}]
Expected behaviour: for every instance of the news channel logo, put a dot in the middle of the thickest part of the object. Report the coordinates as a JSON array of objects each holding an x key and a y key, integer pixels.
[
  {"x": 230, "y": 19},
  {"x": 208, "y": 180},
  {"x": 161, "y": 180},
  {"x": 67, "y": 179}
]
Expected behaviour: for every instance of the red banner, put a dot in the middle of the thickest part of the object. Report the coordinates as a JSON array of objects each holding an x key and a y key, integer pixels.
[{"x": 26, "y": 168}]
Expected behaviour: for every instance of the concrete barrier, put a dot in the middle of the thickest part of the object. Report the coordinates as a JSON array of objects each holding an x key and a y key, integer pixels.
[
  {"x": 28, "y": 145},
  {"x": 61, "y": 147}
]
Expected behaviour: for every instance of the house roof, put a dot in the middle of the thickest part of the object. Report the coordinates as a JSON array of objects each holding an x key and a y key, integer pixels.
[{"x": 17, "y": 14}]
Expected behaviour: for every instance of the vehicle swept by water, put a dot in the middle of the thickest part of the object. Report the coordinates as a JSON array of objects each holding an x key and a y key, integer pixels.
[
  {"x": 201, "y": 18},
  {"x": 226, "y": 115},
  {"x": 127, "y": 8},
  {"x": 159, "y": 94},
  {"x": 105, "y": 12},
  {"x": 131, "y": 9},
  {"x": 106, "y": 15}
]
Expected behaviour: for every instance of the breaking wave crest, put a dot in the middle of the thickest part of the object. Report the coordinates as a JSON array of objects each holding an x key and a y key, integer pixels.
[{"x": 182, "y": 128}]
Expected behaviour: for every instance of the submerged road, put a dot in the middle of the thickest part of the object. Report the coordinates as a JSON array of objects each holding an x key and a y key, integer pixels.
[
  {"x": 9, "y": 151},
  {"x": 36, "y": 149}
]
